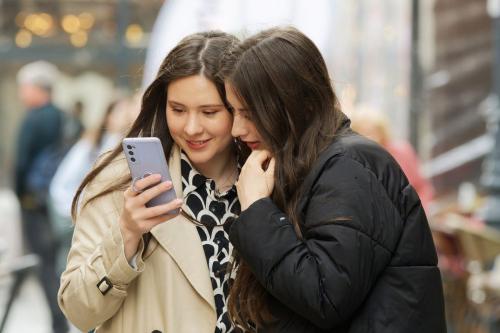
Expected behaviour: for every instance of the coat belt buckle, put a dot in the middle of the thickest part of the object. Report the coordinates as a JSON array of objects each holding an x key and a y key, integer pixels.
[{"x": 104, "y": 285}]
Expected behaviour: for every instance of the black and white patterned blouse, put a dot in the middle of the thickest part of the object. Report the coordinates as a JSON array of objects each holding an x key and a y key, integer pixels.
[{"x": 215, "y": 213}]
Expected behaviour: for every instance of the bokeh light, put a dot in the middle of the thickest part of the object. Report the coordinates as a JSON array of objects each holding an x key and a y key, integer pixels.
[
  {"x": 134, "y": 33},
  {"x": 23, "y": 38},
  {"x": 70, "y": 24}
]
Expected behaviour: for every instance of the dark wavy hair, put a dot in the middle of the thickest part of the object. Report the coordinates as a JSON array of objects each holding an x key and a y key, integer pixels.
[
  {"x": 199, "y": 53},
  {"x": 282, "y": 80}
]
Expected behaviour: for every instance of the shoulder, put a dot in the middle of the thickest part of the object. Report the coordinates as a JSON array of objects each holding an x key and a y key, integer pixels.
[
  {"x": 116, "y": 168},
  {"x": 115, "y": 172},
  {"x": 351, "y": 160},
  {"x": 357, "y": 147},
  {"x": 372, "y": 157},
  {"x": 352, "y": 148},
  {"x": 47, "y": 118},
  {"x": 48, "y": 111}
]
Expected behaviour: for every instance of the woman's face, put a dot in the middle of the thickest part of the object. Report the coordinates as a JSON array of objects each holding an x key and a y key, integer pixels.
[
  {"x": 243, "y": 127},
  {"x": 198, "y": 120}
]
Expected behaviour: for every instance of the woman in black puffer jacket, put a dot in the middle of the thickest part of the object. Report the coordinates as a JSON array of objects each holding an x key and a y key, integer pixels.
[{"x": 332, "y": 237}]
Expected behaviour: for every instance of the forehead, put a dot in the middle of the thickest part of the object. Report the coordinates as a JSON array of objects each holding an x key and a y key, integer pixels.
[
  {"x": 193, "y": 90},
  {"x": 232, "y": 97}
]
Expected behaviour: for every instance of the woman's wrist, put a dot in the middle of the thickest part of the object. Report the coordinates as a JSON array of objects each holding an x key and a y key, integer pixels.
[{"x": 131, "y": 241}]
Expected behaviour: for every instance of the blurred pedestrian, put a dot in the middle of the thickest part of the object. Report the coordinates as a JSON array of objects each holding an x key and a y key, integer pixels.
[
  {"x": 40, "y": 130},
  {"x": 117, "y": 119},
  {"x": 375, "y": 125},
  {"x": 73, "y": 126}
]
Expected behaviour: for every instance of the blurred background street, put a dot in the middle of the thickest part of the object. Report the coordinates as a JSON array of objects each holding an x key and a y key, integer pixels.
[
  {"x": 30, "y": 312},
  {"x": 420, "y": 77}
]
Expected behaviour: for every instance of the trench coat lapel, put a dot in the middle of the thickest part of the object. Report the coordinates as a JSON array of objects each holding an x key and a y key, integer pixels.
[{"x": 180, "y": 239}]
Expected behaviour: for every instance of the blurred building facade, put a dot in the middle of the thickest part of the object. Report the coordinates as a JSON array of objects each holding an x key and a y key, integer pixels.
[
  {"x": 99, "y": 44},
  {"x": 456, "y": 52},
  {"x": 434, "y": 98}
]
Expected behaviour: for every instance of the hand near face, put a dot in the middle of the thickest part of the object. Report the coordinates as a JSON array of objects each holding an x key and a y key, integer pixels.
[{"x": 256, "y": 181}]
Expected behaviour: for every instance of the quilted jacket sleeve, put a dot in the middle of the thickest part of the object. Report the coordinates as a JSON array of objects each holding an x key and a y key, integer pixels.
[{"x": 350, "y": 230}]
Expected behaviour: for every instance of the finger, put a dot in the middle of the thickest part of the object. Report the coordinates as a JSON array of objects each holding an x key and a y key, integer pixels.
[
  {"x": 139, "y": 185},
  {"x": 251, "y": 157},
  {"x": 262, "y": 155},
  {"x": 129, "y": 192},
  {"x": 261, "y": 161},
  {"x": 270, "y": 168},
  {"x": 165, "y": 209},
  {"x": 257, "y": 158},
  {"x": 147, "y": 181},
  {"x": 154, "y": 191}
]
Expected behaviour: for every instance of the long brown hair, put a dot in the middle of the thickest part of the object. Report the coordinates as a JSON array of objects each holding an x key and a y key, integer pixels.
[
  {"x": 283, "y": 82},
  {"x": 199, "y": 53}
]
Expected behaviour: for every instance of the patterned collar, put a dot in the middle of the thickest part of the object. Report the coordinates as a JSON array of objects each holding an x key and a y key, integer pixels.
[{"x": 192, "y": 180}]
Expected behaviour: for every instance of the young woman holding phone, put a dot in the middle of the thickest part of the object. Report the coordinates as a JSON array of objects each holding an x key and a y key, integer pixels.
[
  {"x": 134, "y": 268},
  {"x": 331, "y": 238}
]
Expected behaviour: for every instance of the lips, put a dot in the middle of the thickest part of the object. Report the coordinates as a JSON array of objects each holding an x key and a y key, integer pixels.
[
  {"x": 253, "y": 144},
  {"x": 197, "y": 144}
]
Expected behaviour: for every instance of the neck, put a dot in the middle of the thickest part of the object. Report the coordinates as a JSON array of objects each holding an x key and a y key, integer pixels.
[
  {"x": 220, "y": 168},
  {"x": 38, "y": 103}
]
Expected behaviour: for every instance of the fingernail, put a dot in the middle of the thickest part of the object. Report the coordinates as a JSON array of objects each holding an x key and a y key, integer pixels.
[
  {"x": 178, "y": 201},
  {"x": 168, "y": 182}
]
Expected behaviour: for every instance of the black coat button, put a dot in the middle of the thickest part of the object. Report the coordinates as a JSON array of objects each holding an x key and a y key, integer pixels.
[{"x": 155, "y": 331}]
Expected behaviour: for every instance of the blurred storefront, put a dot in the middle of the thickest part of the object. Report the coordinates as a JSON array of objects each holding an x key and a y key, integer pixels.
[
  {"x": 97, "y": 44},
  {"x": 457, "y": 58}
]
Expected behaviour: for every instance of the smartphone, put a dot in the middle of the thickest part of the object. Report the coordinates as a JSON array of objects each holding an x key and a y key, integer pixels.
[{"x": 145, "y": 157}]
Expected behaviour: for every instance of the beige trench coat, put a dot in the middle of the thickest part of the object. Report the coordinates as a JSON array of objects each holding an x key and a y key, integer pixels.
[{"x": 170, "y": 291}]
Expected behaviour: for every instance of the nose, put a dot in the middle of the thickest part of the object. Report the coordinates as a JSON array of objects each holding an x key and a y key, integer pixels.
[
  {"x": 239, "y": 128},
  {"x": 193, "y": 125}
]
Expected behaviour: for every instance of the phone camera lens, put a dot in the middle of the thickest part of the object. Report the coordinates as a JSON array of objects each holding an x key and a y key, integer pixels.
[
  {"x": 131, "y": 152},
  {"x": 132, "y": 159},
  {"x": 129, "y": 146}
]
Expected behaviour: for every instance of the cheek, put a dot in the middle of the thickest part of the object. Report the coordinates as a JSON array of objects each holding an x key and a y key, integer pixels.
[
  {"x": 222, "y": 125},
  {"x": 252, "y": 130},
  {"x": 24, "y": 93},
  {"x": 174, "y": 124}
]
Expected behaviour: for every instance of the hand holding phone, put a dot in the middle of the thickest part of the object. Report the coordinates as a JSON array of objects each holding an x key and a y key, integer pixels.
[
  {"x": 151, "y": 198},
  {"x": 145, "y": 157}
]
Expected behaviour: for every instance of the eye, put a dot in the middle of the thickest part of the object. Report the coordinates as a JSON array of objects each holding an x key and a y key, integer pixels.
[
  {"x": 245, "y": 115},
  {"x": 176, "y": 109},
  {"x": 210, "y": 112}
]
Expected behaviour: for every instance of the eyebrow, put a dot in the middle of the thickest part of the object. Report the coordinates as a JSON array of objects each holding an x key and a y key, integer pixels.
[
  {"x": 200, "y": 106},
  {"x": 211, "y": 105}
]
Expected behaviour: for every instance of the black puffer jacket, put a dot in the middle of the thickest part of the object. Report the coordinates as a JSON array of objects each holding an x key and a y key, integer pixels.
[{"x": 367, "y": 262}]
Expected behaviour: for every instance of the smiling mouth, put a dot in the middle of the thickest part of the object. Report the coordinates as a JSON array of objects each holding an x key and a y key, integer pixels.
[{"x": 197, "y": 143}]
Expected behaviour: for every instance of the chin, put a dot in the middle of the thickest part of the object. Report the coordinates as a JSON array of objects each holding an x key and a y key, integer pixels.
[{"x": 199, "y": 157}]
